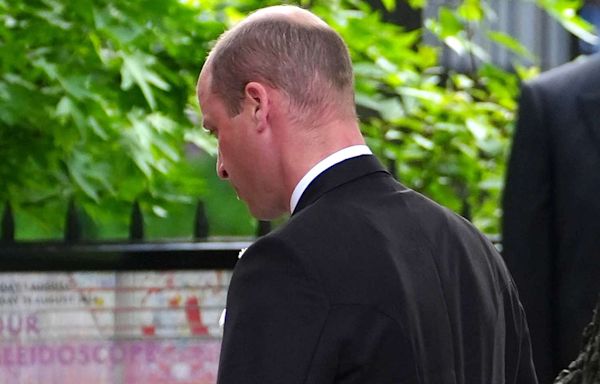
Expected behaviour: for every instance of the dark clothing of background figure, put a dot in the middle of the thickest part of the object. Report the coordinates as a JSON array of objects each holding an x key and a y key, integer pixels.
[
  {"x": 591, "y": 13},
  {"x": 370, "y": 282},
  {"x": 551, "y": 225}
]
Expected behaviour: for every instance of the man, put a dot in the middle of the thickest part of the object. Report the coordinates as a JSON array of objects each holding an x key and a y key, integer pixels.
[
  {"x": 551, "y": 224},
  {"x": 368, "y": 282}
]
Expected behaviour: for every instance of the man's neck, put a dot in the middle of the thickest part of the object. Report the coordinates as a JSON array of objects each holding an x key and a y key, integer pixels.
[
  {"x": 303, "y": 147},
  {"x": 322, "y": 166}
]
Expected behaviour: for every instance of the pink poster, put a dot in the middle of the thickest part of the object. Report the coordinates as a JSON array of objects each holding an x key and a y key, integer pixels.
[{"x": 117, "y": 328}]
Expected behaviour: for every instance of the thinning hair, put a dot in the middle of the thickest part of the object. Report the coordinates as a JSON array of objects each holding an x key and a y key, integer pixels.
[{"x": 289, "y": 49}]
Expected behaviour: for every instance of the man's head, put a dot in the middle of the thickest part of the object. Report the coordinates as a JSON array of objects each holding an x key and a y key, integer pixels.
[
  {"x": 289, "y": 49},
  {"x": 275, "y": 90}
]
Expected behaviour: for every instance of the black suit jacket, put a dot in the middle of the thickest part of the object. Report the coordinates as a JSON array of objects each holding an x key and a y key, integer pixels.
[
  {"x": 370, "y": 282},
  {"x": 551, "y": 225}
]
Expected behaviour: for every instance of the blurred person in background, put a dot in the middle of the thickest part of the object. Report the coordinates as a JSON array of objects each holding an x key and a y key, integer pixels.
[
  {"x": 551, "y": 203},
  {"x": 590, "y": 11}
]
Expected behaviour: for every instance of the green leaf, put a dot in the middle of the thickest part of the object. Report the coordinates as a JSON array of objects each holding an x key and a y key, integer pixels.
[
  {"x": 161, "y": 122},
  {"x": 136, "y": 68},
  {"x": 386, "y": 65},
  {"x": 526, "y": 73},
  {"x": 458, "y": 43},
  {"x": 14, "y": 78},
  {"x": 394, "y": 134},
  {"x": 417, "y": 4},
  {"x": 51, "y": 69},
  {"x": 78, "y": 169},
  {"x": 160, "y": 211},
  {"x": 510, "y": 43},
  {"x": 76, "y": 86},
  {"x": 53, "y": 18},
  {"x": 565, "y": 12},
  {"x": 390, "y": 5},
  {"x": 492, "y": 183},
  {"x": 391, "y": 109},
  {"x": 471, "y": 10},
  {"x": 363, "y": 69},
  {"x": 477, "y": 128},
  {"x": 449, "y": 23},
  {"x": 423, "y": 142},
  {"x": 97, "y": 128},
  {"x": 166, "y": 149},
  {"x": 462, "y": 81},
  {"x": 431, "y": 96},
  {"x": 64, "y": 107},
  {"x": 368, "y": 101}
]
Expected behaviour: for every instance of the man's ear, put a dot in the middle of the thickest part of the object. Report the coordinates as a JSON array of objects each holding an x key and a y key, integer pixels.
[{"x": 258, "y": 97}]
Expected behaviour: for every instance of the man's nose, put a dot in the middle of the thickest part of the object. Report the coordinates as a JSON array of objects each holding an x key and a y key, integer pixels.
[{"x": 221, "y": 172}]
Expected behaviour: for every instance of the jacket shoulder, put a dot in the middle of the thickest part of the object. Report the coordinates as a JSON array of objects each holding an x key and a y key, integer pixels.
[{"x": 576, "y": 75}]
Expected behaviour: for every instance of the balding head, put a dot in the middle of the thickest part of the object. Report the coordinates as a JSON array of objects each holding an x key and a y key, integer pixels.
[
  {"x": 289, "y": 49},
  {"x": 286, "y": 12}
]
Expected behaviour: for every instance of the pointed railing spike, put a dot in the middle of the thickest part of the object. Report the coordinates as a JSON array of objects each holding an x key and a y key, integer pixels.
[
  {"x": 466, "y": 210},
  {"x": 73, "y": 230},
  {"x": 8, "y": 224},
  {"x": 200, "y": 222},
  {"x": 263, "y": 228},
  {"x": 391, "y": 166},
  {"x": 136, "y": 223}
]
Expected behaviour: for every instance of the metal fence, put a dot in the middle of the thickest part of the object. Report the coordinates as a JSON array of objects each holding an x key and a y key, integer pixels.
[{"x": 75, "y": 253}]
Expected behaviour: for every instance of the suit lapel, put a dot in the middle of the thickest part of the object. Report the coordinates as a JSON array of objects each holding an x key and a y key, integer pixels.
[
  {"x": 337, "y": 175},
  {"x": 590, "y": 109}
]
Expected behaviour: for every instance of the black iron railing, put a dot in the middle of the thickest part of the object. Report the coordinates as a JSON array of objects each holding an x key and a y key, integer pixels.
[{"x": 75, "y": 253}]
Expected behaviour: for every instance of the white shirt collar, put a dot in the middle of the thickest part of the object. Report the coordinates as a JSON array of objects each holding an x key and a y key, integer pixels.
[{"x": 322, "y": 166}]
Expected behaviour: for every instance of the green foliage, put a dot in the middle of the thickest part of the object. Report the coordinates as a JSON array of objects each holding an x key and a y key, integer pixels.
[
  {"x": 93, "y": 101},
  {"x": 97, "y": 103},
  {"x": 447, "y": 133},
  {"x": 565, "y": 12}
]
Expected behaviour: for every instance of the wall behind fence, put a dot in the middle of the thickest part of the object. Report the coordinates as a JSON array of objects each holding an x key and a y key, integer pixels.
[
  {"x": 106, "y": 327},
  {"x": 121, "y": 312}
]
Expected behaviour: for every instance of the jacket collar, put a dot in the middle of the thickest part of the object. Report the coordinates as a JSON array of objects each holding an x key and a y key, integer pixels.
[{"x": 337, "y": 175}]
